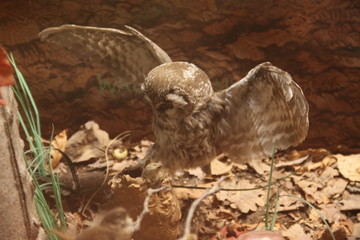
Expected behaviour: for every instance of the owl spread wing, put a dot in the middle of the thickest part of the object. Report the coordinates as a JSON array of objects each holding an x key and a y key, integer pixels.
[
  {"x": 266, "y": 109},
  {"x": 129, "y": 55}
]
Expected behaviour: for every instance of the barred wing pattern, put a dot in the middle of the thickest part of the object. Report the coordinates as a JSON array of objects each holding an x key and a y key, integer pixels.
[
  {"x": 129, "y": 55},
  {"x": 266, "y": 109}
]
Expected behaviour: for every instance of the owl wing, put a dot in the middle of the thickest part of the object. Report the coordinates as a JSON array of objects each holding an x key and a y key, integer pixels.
[
  {"x": 266, "y": 109},
  {"x": 128, "y": 54}
]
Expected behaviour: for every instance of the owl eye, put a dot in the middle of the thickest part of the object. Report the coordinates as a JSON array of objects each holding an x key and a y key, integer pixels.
[{"x": 164, "y": 106}]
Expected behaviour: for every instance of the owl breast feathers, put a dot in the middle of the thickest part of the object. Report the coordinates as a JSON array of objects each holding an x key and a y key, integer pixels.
[{"x": 191, "y": 122}]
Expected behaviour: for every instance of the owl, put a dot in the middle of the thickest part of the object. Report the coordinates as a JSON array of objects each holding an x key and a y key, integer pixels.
[{"x": 192, "y": 123}]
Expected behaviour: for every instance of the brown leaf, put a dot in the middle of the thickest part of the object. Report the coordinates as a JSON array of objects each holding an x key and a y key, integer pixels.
[
  {"x": 350, "y": 202},
  {"x": 331, "y": 212},
  {"x": 219, "y": 168},
  {"x": 259, "y": 166},
  {"x": 286, "y": 203},
  {"x": 58, "y": 142},
  {"x": 87, "y": 143},
  {"x": 296, "y": 232},
  {"x": 323, "y": 188},
  {"x": 349, "y": 166},
  {"x": 245, "y": 201}
]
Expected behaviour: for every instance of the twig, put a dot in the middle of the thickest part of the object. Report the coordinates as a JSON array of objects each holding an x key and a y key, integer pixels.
[
  {"x": 240, "y": 189},
  {"x": 194, "y": 205},
  {"x": 145, "y": 210}
]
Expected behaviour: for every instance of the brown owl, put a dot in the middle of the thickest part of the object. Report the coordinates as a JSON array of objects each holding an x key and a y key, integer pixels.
[{"x": 191, "y": 122}]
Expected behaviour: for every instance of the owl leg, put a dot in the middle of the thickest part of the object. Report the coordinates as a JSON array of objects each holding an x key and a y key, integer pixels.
[
  {"x": 206, "y": 169},
  {"x": 149, "y": 157}
]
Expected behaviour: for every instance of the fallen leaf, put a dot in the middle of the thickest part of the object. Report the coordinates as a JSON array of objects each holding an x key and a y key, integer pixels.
[
  {"x": 286, "y": 203},
  {"x": 245, "y": 201},
  {"x": 349, "y": 166},
  {"x": 88, "y": 143},
  {"x": 197, "y": 172},
  {"x": 220, "y": 168},
  {"x": 321, "y": 188},
  {"x": 356, "y": 232},
  {"x": 339, "y": 234},
  {"x": 331, "y": 212},
  {"x": 334, "y": 187},
  {"x": 185, "y": 194},
  {"x": 350, "y": 202},
  {"x": 58, "y": 142},
  {"x": 326, "y": 161},
  {"x": 121, "y": 166},
  {"x": 316, "y": 155},
  {"x": 309, "y": 187},
  {"x": 260, "y": 167},
  {"x": 296, "y": 161},
  {"x": 296, "y": 232}
]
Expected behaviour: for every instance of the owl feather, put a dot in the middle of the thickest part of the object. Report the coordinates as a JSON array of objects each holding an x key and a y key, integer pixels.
[{"x": 127, "y": 53}]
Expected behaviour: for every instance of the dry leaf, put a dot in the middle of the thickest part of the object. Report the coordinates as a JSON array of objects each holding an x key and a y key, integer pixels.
[
  {"x": 58, "y": 142},
  {"x": 219, "y": 168},
  {"x": 74, "y": 222},
  {"x": 331, "y": 212},
  {"x": 296, "y": 232},
  {"x": 309, "y": 187},
  {"x": 286, "y": 203},
  {"x": 327, "y": 161},
  {"x": 334, "y": 187},
  {"x": 356, "y": 232},
  {"x": 350, "y": 202},
  {"x": 100, "y": 165},
  {"x": 88, "y": 143},
  {"x": 328, "y": 174},
  {"x": 186, "y": 193},
  {"x": 197, "y": 172},
  {"x": 349, "y": 166},
  {"x": 315, "y": 154},
  {"x": 245, "y": 201},
  {"x": 259, "y": 166},
  {"x": 322, "y": 188},
  {"x": 121, "y": 166},
  {"x": 296, "y": 161}
]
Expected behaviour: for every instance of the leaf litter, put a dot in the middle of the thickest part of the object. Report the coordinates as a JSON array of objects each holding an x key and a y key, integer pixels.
[{"x": 330, "y": 182}]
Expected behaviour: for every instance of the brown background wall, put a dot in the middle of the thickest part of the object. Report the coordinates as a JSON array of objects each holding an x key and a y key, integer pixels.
[{"x": 317, "y": 42}]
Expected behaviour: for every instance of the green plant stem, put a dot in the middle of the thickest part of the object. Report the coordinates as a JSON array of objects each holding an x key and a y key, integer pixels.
[{"x": 268, "y": 191}]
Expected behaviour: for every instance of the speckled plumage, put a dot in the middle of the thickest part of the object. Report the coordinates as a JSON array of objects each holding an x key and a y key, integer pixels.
[
  {"x": 266, "y": 109},
  {"x": 191, "y": 122}
]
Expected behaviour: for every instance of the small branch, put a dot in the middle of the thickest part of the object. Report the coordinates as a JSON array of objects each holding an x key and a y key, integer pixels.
[
  {"x": 145, "y": 210},
  {"x": 238, "y": 189},
  {"x": 194, "y": 205}
]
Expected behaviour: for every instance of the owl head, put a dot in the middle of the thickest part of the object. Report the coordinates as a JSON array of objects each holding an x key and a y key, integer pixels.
[{"x": 176, "y": 89}]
